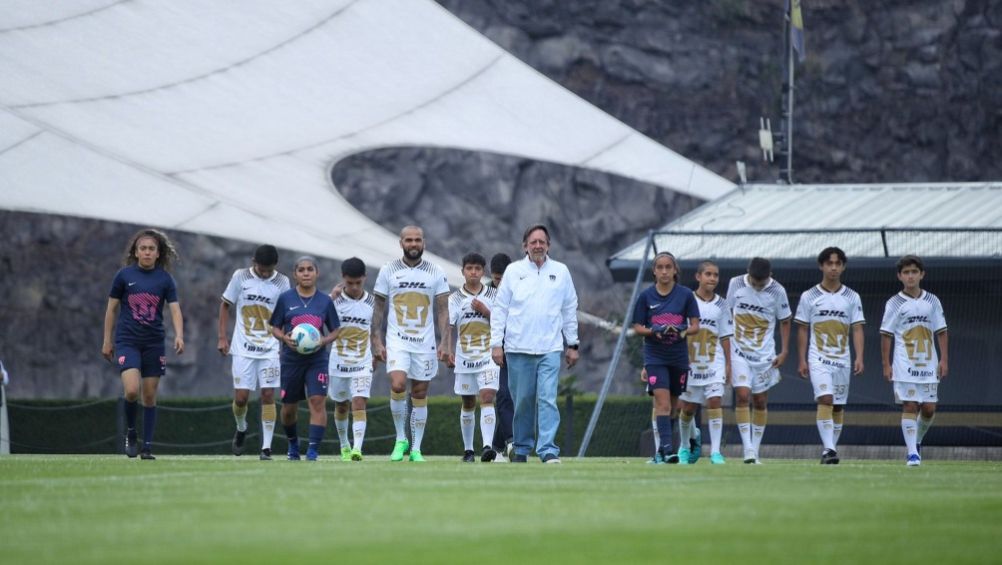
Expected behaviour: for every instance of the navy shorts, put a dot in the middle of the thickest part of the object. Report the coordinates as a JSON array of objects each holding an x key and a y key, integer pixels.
[
  {"x": 151, "y": 360},
  {"x": 666, "y": 376},
  {"x": 303, "y": 379}
]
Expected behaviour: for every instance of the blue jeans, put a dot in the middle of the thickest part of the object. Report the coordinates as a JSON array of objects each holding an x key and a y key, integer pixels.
[{"x": 532, "y": 380}]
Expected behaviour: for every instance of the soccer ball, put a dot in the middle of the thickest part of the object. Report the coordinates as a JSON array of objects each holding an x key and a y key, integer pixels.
[{"x": 307, "y": 338}]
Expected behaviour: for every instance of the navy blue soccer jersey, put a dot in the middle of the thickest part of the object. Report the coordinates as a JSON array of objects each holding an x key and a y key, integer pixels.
[
  {"x": 142, "y": 294},
  {"x": 292, "y": 310},
  {"x": 675, "y": 309}
]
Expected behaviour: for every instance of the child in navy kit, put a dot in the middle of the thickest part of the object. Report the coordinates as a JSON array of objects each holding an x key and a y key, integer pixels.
[
  {"x": 304, "y": 376},
  {"x": 665, "y": 314},
  {"x": 135, "y": 313}
]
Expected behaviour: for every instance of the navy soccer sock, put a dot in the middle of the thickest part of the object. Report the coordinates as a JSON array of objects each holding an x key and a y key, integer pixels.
[
  {"x": 149, "y": 424},
  {"x": 292, "y": 434},
  {"x": 131, "y": 410},
  {"x": 664, "y": 432},
  {"x": 316, "y": 436}
]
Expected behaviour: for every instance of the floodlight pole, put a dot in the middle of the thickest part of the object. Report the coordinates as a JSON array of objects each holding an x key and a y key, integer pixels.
[
  {"x": 620, "y": 342},
  {"x": 786, "y": 175}
]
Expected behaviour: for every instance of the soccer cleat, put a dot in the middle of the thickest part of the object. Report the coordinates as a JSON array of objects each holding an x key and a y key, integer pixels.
[
  {"x": 356, "y": 454},
  {"x": 695, "y": 445},
  {"x": 658, "y": 459},
  {"x": 550, "y": 459},
  {"x": 468, "y": 456},
  {"x": 265, "y": 454},
  {"x": 668, "y": 456},
  {"x": 399, "y": 449},
  {"x": 488, "y": 454},
  {"x": 418, "y": 458},
  {"x": 346, "y": 454},
  {"x": 238, "y": 442},
  {"x": 131, "y": 444},
  {"x": 293, "y": 454},
  {"x": 750, "y": 456},
  {"x": 146, "y": 455},
  {"x": 312, "y": 454},
  {"x": 829, "y": 457},
  {"x": 914, "y": 460},
  {"x": 717, "y": 458},
  {"x": 684, "y": 456}
]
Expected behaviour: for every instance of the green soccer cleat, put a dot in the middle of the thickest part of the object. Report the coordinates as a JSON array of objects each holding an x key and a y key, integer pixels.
[
  {"x": 717, "y": 458},
  {"x": 356, "y": 454},
  {"x": 416, "y": 456},
  {"x": 657, "y": 459},
  {"x": 346, "y": 454},
  {"x": 695, "y": 445},
  {"x": 399, "y": 449},
  {"x": 684, "y": 456}
]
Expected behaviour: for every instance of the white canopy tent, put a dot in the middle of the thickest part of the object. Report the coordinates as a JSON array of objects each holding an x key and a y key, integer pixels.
[{"x": 225, "y": 118}]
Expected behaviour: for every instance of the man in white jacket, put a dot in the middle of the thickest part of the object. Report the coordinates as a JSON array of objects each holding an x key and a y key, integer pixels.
[{"x": 535, "y": 319}]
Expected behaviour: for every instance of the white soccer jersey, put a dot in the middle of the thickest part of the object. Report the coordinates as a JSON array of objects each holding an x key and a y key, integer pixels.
[
  {"x": 473, "y": 330},
  {"x": 706, "y": 358},
  {"x": 830, "y": 315},
  {"x": 913, "y": 322},
  {"x": 254, "y": 300},
  {"x": 411, "y": 292},
  {"x": 755, "y": 313},
  {"x": 351, "y": 354}
]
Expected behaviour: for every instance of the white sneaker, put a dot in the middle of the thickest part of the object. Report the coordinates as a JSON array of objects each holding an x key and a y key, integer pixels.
[
  {"x": 751, "y": 457},
  {"x": 500, "y": 458}
]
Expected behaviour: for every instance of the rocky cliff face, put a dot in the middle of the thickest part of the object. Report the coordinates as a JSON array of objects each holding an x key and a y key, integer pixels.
[{"x": 890, "y": 91}]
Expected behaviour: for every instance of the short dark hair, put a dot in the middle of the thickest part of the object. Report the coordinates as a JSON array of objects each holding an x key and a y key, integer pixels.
[
  {"x": 266, "y": 255},
  {"x": 532, "y": 228},
  {"x": 353, "y": 267},
  {"x": 474, "y": 259},
  {"x": 704, "y": 264},
  {"x": 828, "y": 252},
  {"x": 909, "y": 260},
  {"x": 759, "y": 268},
  {"x": 500, "y": 262}
]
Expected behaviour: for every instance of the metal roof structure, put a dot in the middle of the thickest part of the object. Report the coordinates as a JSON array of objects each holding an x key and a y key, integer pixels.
[
  {"x": 226, "y": 118},
  {"x": 869, "y": 221}
]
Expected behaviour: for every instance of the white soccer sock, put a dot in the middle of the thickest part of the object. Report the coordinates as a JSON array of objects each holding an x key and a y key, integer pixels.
[
  {"x": 342, "y": 431},
  {"x": 909, "y": 428},
  {"x": 759, "y": 418},
  {"x": 419, "y": 417},
  {"x": 684, "y": 432},
  {"x": 657, "y": 436},
  {"x": 742, "y": 414},
  {"x": 240, "y": 416},
  {"x": 487, "y": 423},
  {"x": 716, "y": 429},
  {"x": 826, "y": 426},
  {"x": 268, "y": 414},
  {"x": 466, "y": 426},
  {"x": 837, "y": 418},
  {"x": 358, "y": 429},
  {"x": 923, "y": 426},
  {"x": 398, "y": 408}
]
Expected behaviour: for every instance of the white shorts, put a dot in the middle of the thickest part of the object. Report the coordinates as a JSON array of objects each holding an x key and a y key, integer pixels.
[
  {"x": 699, "y": 394},
  {"x": 418, "y": 366},
  {"x": 468, "y": 384},
  {"x": 915, "y": 392},
  {"x": 758, "y": 380},
  {"x": 248, "y": 372},
  {"x": 829, "y": 379},
  {"x": 343, "y": 389}
]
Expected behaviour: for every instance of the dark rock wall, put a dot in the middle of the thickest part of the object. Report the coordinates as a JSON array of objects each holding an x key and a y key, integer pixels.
[{"x": 890, "y": 91}]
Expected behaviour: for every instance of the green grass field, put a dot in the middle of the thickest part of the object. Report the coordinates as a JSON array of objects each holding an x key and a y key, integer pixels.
[{"x": 108, "y": 509}]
